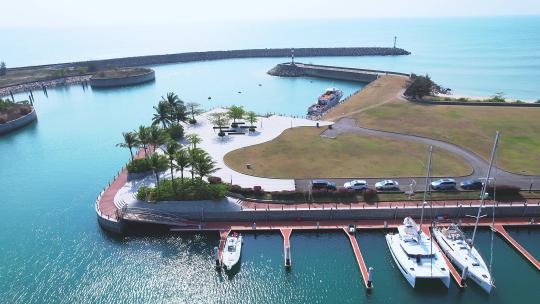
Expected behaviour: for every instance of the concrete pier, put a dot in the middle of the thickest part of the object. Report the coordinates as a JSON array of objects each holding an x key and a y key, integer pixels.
[
  {"x": 330, "y": 72},
  {"x": 360, "y": 260},
  {"x": 286, "y": 232},
  {"x": 529, "y": 257},
  {"x": 451, "y": 268}
]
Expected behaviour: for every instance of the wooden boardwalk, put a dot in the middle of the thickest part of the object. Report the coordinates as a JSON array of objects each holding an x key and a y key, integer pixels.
[
  {"x": 500, "y": 229},
  {"x": 453, "y": 270},
  {"x": 286, "y": 232},
  {"x": 359, "y": 259}
]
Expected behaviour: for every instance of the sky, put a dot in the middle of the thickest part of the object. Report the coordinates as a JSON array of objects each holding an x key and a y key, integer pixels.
[{"x": 78, "y": 13}]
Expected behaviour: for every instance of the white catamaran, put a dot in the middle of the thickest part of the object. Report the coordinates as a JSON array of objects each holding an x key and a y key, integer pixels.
[
  {"x": 232, "y": 250},
  {"x": 413, "y": 251},
  {"x": 460, "y": 250}
]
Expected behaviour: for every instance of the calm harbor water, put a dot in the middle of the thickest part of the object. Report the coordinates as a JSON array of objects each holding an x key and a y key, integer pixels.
[{"x": 53, "y": 250}]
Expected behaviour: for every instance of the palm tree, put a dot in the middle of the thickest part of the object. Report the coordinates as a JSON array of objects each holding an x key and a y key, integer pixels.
[
  {"x": 172, "y": 148},
  {"x": 157, "y": 136},
  {"x": 156, "y": 164},
  {"x": 194, "y": 139},
  {"x": 182, "y": 159},
  {"x": 236, "y": 112},
  {"x": 203, "y": 164},
  {"x": 252, "y": 118},
  {"x": 130, "y": 141},
  {"x": 177, "y": 109},
  {"x": 144, "y": 138},
  {"x": 171, "y": 99},
  {"x": 194, "y": 109},
  {"x": 193, "y": 154},
  {"x": 162, "y": 115}
]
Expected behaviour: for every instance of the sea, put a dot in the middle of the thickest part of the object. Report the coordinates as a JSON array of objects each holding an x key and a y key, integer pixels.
[{"x": 53, "y": 250}]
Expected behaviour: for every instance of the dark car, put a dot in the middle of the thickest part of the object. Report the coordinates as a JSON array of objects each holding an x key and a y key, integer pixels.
[
  {"x": 471, "y": 184},
  {"x": 322, "y": 185}
]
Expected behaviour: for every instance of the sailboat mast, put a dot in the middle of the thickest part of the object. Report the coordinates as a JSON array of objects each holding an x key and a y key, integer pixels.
[
  {"x": 484, "y": 187},
  {"x": 428, "y": 177}
]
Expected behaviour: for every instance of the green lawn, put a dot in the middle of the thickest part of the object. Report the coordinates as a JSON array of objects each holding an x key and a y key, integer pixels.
[
  {"x": 470, "y": 127},
  {"x": 302, "y": 153}
]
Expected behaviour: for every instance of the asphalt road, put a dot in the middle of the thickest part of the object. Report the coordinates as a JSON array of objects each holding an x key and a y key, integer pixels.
[{"x": 477, "y": 163}]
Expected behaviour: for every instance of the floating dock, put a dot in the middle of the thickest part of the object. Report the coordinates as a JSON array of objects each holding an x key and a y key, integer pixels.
[
  {"x": 286, "y": 232},
  {"x": 359, "y": 259},
  {"x": 500, "y": 229},
  {"x": 453, "y": 270}
]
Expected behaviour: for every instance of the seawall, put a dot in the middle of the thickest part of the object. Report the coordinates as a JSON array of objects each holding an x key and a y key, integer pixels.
[
  {"x": 230, "y": 54},
  {"x": 331, "y": 72},
  {"x": 150, "y": 75},
  {"x": 18, "y": 123}
]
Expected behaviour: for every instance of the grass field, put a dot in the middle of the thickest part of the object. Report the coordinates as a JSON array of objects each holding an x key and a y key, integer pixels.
[
  {"x": 377, "y": 93},
  {"x": 302, "y": 153},
  {"x": 470, "y": 127}
]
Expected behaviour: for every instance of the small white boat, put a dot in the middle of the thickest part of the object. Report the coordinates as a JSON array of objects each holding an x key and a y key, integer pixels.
[
  {"x": 232, "y": 250},
  {"x": 457, "y": 248},
  {"x": 415, "y": 256}
]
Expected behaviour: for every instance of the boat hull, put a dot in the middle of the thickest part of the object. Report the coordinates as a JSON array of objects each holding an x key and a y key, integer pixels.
[
  {"x": 460, "y": 263},
  {"x": 392, "y": 240}
]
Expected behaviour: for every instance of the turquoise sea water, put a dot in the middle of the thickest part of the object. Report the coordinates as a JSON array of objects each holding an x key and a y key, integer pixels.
[{"x": 50, "y": 173}]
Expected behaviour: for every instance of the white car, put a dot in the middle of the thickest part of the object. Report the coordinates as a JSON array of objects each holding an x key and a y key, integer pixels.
[
  {"x": 387, "y": 185},
  {"x": 358, "y": 184}
]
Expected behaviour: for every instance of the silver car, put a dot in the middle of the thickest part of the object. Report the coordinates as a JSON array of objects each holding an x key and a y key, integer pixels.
[
  {"x": 444, "y": 184},
  {"x": 387, "y": 185}
]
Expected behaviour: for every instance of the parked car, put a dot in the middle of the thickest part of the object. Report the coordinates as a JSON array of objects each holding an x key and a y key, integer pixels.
[
  {"x": 387, "y": 185},
  {"x": 358, "y": 184},
  {"x": 320, "y": 184},
  {"x": 443, "y": 184},
  {"x": 471, "y": 184}
]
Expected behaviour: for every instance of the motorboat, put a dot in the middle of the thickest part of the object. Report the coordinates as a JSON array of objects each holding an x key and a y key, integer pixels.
[{"x": 232, "y": 250}]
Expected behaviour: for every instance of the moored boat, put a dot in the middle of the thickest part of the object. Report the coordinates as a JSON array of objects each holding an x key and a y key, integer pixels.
[
  {"x": 415, "y": 256},
  {"x": 327, "y": 100},
  {"x": 458, "y": 250},
  {"x": 413, "y": 250},
  {"x": 232, "y": 250}
]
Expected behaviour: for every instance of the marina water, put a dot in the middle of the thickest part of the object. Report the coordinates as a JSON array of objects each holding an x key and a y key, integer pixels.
[{"x": 54, "y": 251}]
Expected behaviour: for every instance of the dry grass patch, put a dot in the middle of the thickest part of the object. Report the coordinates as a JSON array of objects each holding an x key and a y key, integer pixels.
[
  {"x": 378, "y": 92},
  {"x": 302, "y": 153}
]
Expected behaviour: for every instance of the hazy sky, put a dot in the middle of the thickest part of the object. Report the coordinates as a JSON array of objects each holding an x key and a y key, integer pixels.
[{"x": 54, "y": 13}]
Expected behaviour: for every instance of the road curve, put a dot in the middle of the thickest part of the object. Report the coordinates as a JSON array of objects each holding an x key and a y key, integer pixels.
[{"x": 477, "y": 163}]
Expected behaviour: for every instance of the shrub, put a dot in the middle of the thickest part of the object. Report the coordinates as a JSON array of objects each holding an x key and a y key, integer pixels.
[
  {"x": 463, "y": 99},
  {"x": 258, "y": 190},
  {"x": 192, "y": 121},
  {"x": 183, "y": 190},
  {"x": 503, "y": 190},
  {"x": 369, "y": 194},
  {"x": 142, "y": 165},
  {"x": 214, "y": 180},
  {"x": 175, "y": 131},
  {"x": 235, "y": 188},
  {"x": 538, "y": 101},
  {"x": 3, "y": 68},
  {"x": 221, "y": 134},
  {"x": 24, "y": 110}
]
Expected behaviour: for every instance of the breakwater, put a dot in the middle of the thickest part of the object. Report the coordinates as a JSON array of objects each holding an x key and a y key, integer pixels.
[
  {"x": 18, "y": 123},
  {"x": 230, "y": 54},
  {"x": 130, "y": 79},
  {"x": 332, "y": 72}
]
